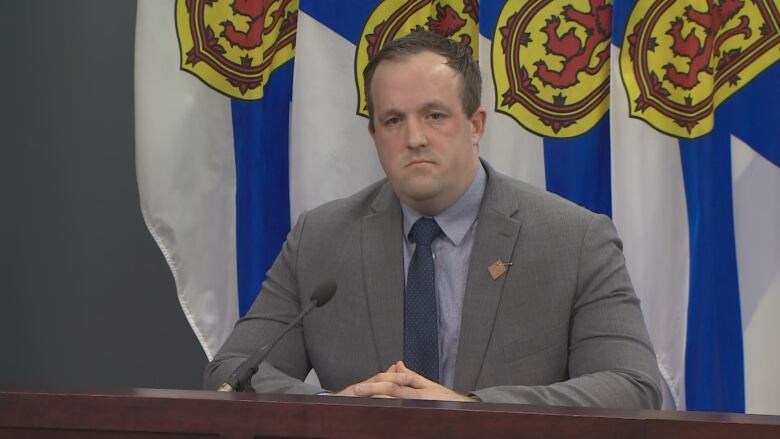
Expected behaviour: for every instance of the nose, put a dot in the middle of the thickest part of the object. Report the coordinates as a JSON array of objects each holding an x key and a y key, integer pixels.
[{"x": 415, "y": 134}]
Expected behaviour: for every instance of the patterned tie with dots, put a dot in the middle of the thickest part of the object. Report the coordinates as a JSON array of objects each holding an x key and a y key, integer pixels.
[{"x": 421, "y": 333}]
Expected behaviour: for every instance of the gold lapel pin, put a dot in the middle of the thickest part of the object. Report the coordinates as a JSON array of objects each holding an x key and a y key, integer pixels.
[{"x": 498, "y": 268}]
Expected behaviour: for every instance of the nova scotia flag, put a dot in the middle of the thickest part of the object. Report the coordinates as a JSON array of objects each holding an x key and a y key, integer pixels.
[
  {"x": 212, "y": 135},
  {"x": 662, "y": 114},
  {"x": 695, "y": 104}
]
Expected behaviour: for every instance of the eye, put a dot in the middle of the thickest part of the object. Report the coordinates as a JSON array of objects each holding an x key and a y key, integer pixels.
[
  {"x": 436, "y": 116},
  {"x": 392, "y": 121}
]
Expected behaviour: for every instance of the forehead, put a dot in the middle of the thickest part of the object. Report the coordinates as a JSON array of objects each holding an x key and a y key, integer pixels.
[{"x": 420, "y": 76}]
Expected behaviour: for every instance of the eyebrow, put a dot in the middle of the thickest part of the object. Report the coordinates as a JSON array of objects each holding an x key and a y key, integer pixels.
[{"x": 435, "y": 104}]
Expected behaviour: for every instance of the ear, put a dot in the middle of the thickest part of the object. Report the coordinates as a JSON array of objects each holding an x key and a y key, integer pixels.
[
  {"x": 372, "y": 131},
  {"x": 478, "y": 121}
]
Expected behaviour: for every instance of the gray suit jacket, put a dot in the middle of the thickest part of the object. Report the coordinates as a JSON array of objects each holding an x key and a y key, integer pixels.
[{"x": 562, "y": 326}]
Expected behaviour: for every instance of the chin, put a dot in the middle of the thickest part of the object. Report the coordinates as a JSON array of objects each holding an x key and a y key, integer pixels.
[{"x": 420, "y": 194}]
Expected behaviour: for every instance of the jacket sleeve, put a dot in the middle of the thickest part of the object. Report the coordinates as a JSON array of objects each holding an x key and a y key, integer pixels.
[
  {"x": 277, "y": 304},
  {"x": 611, "y": 362}
]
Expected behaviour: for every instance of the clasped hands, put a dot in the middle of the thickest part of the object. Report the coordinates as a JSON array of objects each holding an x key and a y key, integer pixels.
[{"x": 400, "y": 382}]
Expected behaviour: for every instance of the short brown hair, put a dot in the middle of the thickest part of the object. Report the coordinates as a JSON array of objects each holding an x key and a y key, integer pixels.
[{"x": 458, "y": 57}]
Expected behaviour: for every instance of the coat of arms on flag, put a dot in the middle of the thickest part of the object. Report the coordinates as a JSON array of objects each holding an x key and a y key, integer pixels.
[{"x": 233, "y": 46}]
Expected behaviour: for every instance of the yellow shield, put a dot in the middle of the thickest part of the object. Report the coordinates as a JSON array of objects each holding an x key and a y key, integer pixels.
[
  {"x": 550, "y": 64},
  {"x": 680, "y": 60},
  {"x": 234, "y": 45}
]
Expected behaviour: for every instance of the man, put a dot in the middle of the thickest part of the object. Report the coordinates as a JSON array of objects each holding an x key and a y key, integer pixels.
[{"x": 454, "y": 281}]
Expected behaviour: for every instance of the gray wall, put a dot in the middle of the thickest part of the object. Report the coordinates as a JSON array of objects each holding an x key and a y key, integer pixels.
[{"x": 86, "y": 299}]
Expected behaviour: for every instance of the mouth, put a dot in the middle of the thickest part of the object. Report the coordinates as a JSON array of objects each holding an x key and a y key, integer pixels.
[{"x": 418, "y": 162}]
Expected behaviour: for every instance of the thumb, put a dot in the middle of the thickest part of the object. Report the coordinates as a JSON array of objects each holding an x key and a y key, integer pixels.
[{"x": 400, "y": 367}]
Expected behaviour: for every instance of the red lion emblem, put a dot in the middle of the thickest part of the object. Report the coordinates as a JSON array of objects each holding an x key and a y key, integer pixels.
[
  {"x": 234, "y": 61},
  {"x": 598, "y": 25},
  {"x": 699, "y": 56},
  {"x": 256, "y": 10},
  {"x": 715, "y": 49},
  {"x": 553, "y": 80}
]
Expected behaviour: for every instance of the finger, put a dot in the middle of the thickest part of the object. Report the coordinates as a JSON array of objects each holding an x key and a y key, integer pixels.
[
  {"x": 395, "y": 391},
  {"x": 413, "y": 379},
  {"x": 385, "y": 376},
  {"x": 384, "y": 388},
  {"x": 401, "y": 368},
  {"x": 348, "y": 391}
]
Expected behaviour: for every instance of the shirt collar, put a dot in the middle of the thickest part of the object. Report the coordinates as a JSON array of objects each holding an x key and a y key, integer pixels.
[{"x": 456, "y": 220}]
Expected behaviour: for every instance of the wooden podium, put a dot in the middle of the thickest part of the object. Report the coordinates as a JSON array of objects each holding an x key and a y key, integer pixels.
[{"x": 145, "y": 413}]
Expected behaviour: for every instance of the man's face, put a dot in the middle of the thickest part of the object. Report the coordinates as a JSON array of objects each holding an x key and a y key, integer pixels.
[{"x": 426, "y": 144}]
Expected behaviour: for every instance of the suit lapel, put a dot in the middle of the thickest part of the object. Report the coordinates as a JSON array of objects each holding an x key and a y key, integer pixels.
[
  {"x": 496, "y": 237},
  {"x": 383, "y": 269}
]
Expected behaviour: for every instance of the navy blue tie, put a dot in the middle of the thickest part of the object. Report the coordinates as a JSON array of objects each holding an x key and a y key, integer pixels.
[{"x": 421, "y": 327}]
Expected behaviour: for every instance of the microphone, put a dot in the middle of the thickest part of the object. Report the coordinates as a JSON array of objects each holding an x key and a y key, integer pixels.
[{"x": 241, "y": 376}]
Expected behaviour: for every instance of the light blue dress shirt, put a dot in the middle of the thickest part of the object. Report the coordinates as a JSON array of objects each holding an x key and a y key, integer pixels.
[{"x": 451, "y": 252}]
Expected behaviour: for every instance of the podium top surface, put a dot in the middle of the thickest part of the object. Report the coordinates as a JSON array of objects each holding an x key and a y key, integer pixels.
[{"x": 134, "y": 412}]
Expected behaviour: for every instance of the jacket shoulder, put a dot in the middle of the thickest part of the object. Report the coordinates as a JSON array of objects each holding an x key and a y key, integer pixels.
[
  {"x": 344, "y": 211},
  {"x": 532, "y": 204}
]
